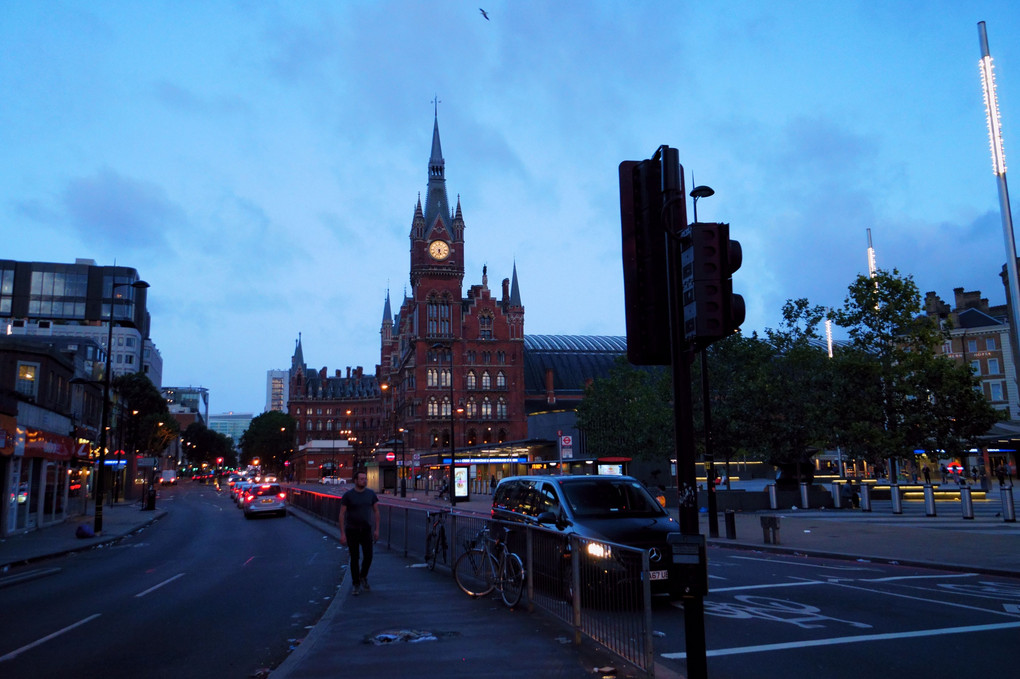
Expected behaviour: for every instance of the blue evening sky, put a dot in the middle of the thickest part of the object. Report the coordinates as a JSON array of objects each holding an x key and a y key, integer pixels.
[{"x": 259, "y": 162}]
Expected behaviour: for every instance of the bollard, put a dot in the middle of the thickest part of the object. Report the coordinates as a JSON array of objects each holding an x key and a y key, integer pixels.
[
  {"x": 1008, "y": 510},
  {"x": 836, "y": 497},
  {"x": 865, "y": 497},
  {"x": 966, "y": 502},
  {"x": 773, "y": 497},
  {"x": 804, "y": 504},
  {"x": 929, "y": 500},
  {"x": 897, "y": 499},
  {"x": 731, "y": 524},
  {"x": 770, "y": 529}
]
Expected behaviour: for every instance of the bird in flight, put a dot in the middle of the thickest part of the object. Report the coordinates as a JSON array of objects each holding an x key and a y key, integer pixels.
[{"x": 484, "y": 13}]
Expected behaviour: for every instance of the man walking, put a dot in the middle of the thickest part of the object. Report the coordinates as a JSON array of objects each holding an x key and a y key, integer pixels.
[{"x": 359, "y": 529}]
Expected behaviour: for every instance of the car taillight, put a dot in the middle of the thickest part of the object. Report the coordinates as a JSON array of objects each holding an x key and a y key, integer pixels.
[
  {"x": 249, "y": 498},
  {"x": 282, "y": 496}
]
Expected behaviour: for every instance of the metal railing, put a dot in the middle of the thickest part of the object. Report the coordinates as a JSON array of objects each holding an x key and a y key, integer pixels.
[{"x": 604, "y": 595}]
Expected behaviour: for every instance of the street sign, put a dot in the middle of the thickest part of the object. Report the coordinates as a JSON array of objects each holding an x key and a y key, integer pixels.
[{"x": 390, "y": 457}]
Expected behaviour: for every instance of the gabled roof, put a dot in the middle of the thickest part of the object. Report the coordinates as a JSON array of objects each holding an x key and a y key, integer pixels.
[{"x": 975, "y": 318}]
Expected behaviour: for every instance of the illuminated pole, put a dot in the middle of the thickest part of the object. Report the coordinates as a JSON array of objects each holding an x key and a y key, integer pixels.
[{"x": 999, "y": 170}]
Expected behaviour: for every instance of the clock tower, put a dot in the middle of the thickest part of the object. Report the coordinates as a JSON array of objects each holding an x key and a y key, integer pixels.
[{"x": 437, "y": 236}]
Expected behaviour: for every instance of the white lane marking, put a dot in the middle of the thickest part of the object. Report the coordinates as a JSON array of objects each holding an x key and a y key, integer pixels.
[
  {"x": 713, "y": 590},
  {"x": 1011, "y": 608},
  {"x": 918, "y": 598},
  {"x": 848, "y": 640},
  {"x": 155, "y": 587},
  {"x": 809, "y": 565},
  {"x": 16, "y": 653},
  {"x": 919, "y": 577}
]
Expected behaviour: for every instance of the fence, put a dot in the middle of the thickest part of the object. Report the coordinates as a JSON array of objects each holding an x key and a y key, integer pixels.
[{"x": 604, "y": 594}]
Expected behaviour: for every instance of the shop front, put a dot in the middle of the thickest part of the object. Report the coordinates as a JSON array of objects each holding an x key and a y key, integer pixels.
[{"x": 37, "y": 480}]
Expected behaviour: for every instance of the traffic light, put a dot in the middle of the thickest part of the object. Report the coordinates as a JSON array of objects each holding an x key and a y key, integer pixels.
[
  {"x": 645, "y": 272},
  {"x": 708, "y": 258}
]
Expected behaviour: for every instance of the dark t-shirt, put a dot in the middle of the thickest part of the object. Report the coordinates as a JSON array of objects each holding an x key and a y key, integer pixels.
[{"x": 359, "y": 508}]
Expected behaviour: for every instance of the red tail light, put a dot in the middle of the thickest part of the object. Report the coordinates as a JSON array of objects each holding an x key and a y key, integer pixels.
[{"x": 283, "y": 496}]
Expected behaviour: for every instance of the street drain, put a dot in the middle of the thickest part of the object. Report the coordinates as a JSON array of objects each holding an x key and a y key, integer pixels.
[{"x": 407, "y": 636}]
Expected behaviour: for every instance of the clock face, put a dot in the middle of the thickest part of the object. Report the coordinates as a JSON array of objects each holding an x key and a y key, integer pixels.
[{"x": 439, "y": 249}]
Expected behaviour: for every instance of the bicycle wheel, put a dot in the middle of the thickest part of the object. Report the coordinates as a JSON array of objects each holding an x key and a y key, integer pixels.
[
  {"x": 512, "y": 579},
  {"x": 475, "y": 571},
  {"x": 431, "y": 550}
]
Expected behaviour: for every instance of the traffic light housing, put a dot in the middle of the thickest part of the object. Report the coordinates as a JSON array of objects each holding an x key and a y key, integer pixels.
[
  {"x": 708, "y": 259},
  {"x": 644, "y": 218}
]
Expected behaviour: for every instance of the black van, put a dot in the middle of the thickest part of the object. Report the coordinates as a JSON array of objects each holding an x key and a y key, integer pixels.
[{"x": 612, "y": 508}]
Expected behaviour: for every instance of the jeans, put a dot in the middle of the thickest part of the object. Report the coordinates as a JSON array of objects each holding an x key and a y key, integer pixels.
[{"x": 359, "y": 542}]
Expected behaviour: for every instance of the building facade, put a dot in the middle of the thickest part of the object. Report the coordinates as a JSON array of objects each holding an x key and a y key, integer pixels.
[
  {"x": 231, "y": 424},
  {"x": 451, "y": 370},
  {"x": 78, "y": 300},
  {"x": 277, "y": 390}
]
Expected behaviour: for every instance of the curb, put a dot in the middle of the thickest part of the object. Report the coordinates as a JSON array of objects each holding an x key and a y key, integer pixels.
[
  {"x": 842, "y": 556},
  {"x": 291, "y": 663}
]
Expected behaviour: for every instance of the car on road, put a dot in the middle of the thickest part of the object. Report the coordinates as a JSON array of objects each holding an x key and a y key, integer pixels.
[
  {"x": 332, "y": 481},
  {"x": 265, "y": 498},
  {"x": 609, "y": 508}
]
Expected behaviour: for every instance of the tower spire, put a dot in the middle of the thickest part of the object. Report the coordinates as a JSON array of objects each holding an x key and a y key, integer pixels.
[{"x": 437, "y": 206}]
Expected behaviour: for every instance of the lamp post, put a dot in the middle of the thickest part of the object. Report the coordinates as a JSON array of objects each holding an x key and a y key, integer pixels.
[
  {"x": 105, "y": 424},
  {"x": 403, "y": 462},
  {"x": 453, "y": 450}
]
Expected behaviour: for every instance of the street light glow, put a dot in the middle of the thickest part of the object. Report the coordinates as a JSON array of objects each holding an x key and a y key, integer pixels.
[{"x": 992, "y": 115}]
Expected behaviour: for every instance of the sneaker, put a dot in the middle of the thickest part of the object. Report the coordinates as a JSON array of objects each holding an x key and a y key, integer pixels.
[
  {"x": 356, "y": 590},
  {"x": 364, "y": 585}
]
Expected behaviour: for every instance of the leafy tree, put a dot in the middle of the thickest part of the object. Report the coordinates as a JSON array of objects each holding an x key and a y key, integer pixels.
[
  {"x": 628, "y": 413},
  {"x": 269, "y": 438},
  {"x": 896, "y": 394},
  {"x": 202, "y": 444},
  {"x": 153, "y": 428}
]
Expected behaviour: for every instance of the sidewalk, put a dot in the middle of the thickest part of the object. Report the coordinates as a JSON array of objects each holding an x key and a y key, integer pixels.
[{"x": 119, "y": 521}]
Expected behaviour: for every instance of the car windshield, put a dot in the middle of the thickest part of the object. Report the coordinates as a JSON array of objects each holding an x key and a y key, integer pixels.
[
  {"x": 267, "y": 490},
  {"x": 610, "y": 498}
]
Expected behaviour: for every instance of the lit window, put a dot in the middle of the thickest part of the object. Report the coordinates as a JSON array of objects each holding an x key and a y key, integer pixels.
[{"x": 28, "y": 379}]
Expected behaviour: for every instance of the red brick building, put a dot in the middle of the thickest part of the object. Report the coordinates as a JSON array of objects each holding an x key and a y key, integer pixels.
[{"x": 451, "y": 365}]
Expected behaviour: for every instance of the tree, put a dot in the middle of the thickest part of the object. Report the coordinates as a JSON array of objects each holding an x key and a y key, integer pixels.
[
  {"x": 628, "y": 413},
  {"x": 202, "y": 444},
  {"x": 896, "y": 394},
  {"x": 153, "y": 428},
  {"x": 270, "y": 439}
]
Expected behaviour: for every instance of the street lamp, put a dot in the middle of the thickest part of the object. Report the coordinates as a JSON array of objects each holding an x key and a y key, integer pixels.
[
  {"x": 403, "y": 465},
  {"x": 453, "y": 450},
  {"x": 713, "y": 515},
  {"x": 98, "y": 524}
]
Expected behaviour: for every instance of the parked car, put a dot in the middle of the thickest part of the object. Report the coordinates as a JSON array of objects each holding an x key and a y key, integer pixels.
[
  {"x": 265, "y": 498},
  {"x": 597, "y": 507},
  {"x": 332, "y": 481}
]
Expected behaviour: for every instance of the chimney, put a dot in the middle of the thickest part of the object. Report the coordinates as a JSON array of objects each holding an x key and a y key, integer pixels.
[
  {"x": 348, "y": 372},
  {"x": 550, "y": 393},
  {"x": 506, "y": 289}
]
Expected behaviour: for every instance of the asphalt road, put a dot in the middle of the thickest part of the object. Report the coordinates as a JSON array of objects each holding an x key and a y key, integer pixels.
[
  {"x": 785, "y": 616},
  {"x": 200, "y": 593}
]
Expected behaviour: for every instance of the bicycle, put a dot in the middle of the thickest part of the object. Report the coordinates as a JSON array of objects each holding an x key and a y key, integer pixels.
[
  {"x": 488, "y": 564},
  {"x": 435, "y": 539}
]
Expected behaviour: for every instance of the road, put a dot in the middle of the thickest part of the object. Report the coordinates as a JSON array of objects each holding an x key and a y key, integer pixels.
[
  {"x": 785, "y": 616},
  {"x": 200, "y": 593}
]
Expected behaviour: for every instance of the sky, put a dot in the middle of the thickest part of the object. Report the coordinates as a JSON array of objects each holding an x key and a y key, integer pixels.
[{"x": 259, "y": 163}]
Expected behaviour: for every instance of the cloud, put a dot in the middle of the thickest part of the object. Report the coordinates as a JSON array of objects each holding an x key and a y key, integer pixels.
[{"x": 111, "y": 208}]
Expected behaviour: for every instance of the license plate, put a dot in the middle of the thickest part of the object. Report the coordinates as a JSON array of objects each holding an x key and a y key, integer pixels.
[
  {"x": 269, "y": 501},
  {"x": 658, "y": 575}
]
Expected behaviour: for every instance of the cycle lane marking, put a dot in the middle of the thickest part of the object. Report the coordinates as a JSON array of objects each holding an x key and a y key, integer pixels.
[
  {"x": 15, "y": 653},
  {"x": 807, "y": 565},
  {"x": 861, "y": 638}
]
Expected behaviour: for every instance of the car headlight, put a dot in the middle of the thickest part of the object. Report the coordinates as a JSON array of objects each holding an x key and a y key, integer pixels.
[{"x": 599, "y": 550}]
